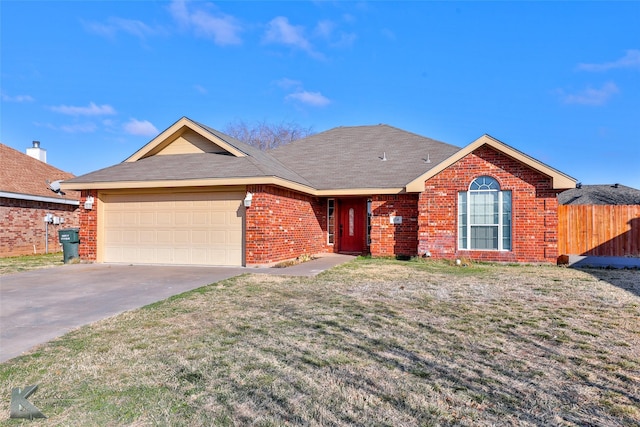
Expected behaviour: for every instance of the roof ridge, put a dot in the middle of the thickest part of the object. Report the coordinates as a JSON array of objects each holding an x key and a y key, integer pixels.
[{"x": 253, "y": 152}]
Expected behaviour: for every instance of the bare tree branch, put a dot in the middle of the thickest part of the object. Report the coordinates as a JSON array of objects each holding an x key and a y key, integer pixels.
[{"x": 266, "y": 136}]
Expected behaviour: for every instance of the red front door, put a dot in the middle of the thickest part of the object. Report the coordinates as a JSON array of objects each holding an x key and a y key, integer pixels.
[{"x": 352, "y": 223}]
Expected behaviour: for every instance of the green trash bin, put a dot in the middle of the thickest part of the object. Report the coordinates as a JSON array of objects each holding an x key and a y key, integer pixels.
[{"x": 70, "y": 239}]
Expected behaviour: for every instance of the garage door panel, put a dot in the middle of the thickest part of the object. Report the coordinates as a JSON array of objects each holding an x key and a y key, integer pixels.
[
  {"x": 164, "y": 218},
  {"x": 129, "y": 218},
  {"x": 218, "y": 237},
  {"x": 129, "y": 236},
  {"x": 182, "y": 237},
  {"x": 113, "y": 219},
  {"x": 146, "y": 236},
  {"x": 114, "y": 252},
  {"x": 200, "y": 237},
  {"x": 201, "y": 218},
  {"x": 178, "y": 228},
  {"x": 128, "y": 253},
  {"x": 182, "y": 255},
  {"x": 144, "y": 218}
]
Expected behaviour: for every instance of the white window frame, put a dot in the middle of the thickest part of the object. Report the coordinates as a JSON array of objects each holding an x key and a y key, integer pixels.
[{"x": 484, "y": 184}]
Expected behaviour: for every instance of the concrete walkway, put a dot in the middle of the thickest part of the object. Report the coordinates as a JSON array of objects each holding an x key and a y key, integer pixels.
[
  {"x": 580, "y": 261},
  {"x": 39, "y": 305}
]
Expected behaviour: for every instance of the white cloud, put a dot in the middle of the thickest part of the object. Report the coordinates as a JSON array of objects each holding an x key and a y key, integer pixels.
[
  {"x": 280, "y": 31},
  {"x": 79, "y": 128},
  {"x": 74, "y": 128},
  {"x": 630, "y": 60},
  {"x": 590, "y": 96},
  {"x": 115, "y": 25},
  {"x": 314, "y": 99},
  {"x": 140, "y": 127},
  {"x": 201, "y": 89},
  {"x": 286, "y": 83},
  {"x": 387, "y": 33},
  {"x": 223, "y": 29},
  {"x": 300, "y": 95},
  {"x": 91, "y": 110},
  {"x": 16, "y": 98},
  {"x": 327, "y": 30}
]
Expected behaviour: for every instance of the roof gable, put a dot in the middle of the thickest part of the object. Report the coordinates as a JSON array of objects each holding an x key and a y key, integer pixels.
[
  {"x": 188, "y": 137},
  {"x": 24, "y": 175},
  {"x": 191, "y": 154},
  {"x": 559, "y": 179}
]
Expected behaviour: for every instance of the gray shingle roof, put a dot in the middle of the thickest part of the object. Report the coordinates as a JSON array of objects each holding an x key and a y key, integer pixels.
[
  {"x": 340, "y": 158},
  {"x": 600, "y": 195},
  {"x": 265, "y": 162},
  {"x": 351, "y": 157},
  {"x": 196, "y": 166}
]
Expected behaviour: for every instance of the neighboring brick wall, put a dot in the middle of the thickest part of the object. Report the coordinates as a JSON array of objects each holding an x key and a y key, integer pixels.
[
  {"x": 394, "y": 239},
  {"x": 283, "y": 224},
  {"x": 534, "y": 206},
  {"x": 87, "y": 250},
  {"x": 23, "y": 229}
]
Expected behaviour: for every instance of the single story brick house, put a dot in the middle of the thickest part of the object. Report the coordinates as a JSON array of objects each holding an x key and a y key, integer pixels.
[
  {"x": 194, "y": 195},
  {"x": 26, "y": 199}
]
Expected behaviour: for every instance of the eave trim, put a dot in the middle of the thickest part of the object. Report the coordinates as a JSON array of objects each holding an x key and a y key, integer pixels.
[
  {"x": 35, "y": 198},
  {"x": 215, "y": 182}
]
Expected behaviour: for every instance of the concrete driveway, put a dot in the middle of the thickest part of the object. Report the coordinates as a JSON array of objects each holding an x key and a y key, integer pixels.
[{"x": 39, "y": 305}]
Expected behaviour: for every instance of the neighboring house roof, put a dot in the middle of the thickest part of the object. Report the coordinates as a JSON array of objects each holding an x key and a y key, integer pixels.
[
  {"x": 615, "y": 194},
  {"x": 23, "y": 177},
  {"x": 351, "y": 160}
]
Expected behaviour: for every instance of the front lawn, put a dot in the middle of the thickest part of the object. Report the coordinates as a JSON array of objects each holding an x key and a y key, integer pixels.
[
  {"x": 372, "y": 342},
  {"x": 17, "y": 264}
]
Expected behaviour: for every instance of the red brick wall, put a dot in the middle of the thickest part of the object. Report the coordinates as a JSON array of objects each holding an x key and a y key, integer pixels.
[
  {"x": 87, "y": 250},
  {"x": 394, "y": 239},
  {"x": 534, "y": 206},
  {"x": 283, "y": 224},
  {"x": 23, "y": 230}
]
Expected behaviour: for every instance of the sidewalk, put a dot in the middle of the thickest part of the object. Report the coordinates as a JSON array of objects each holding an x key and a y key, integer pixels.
[
  {"x": 579, "y": 261},
  {"x": 310, "y": 268}
]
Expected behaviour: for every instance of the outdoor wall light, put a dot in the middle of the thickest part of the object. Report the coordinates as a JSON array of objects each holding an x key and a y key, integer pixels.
[
  {"x": 88, "y": 204},
  {"x": 247, "y": 199}
]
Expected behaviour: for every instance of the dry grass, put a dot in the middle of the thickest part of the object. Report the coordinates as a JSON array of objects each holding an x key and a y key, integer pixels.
[
  {"x": 373, "y": 342},
  {"x": 29, "y": 262}
]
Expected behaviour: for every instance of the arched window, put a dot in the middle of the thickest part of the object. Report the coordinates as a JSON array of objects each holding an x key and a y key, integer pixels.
[{"x": 484, "y": 216}]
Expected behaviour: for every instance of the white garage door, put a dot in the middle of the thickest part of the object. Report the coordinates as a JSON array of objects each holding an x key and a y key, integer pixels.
[{"x": 173, "y": 228}]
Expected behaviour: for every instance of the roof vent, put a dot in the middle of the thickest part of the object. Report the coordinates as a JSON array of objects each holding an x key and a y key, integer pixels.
[
  {"x": 579, "y": 185},
  {"x": 384, "y": 156},
  {"x": 616, "y": 185},
  {"x": 428, "y": 159}
]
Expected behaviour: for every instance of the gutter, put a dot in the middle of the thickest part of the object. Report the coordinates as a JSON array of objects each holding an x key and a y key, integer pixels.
[{"x": 33, "y": 198}]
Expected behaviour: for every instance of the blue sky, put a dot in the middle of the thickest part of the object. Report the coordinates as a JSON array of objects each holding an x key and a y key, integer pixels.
[{"x": 96, "y": 80}]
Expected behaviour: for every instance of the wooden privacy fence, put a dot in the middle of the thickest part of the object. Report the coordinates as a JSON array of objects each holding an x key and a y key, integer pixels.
[{"x": 599, "y": 230}]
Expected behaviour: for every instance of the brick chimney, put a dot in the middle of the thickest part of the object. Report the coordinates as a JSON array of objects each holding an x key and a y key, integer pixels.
[{"x": 37, "y": 153}]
